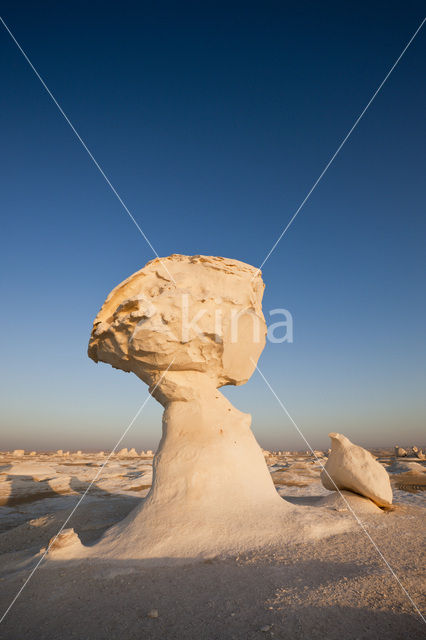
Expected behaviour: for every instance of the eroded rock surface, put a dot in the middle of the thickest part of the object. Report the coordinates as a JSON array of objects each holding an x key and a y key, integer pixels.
[{"x": 201, "y": 312}]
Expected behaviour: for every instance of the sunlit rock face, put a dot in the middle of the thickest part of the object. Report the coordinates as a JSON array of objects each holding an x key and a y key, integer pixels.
[
  {"x": 354, "y": 468},
  {"x": 200, "y": 313}
]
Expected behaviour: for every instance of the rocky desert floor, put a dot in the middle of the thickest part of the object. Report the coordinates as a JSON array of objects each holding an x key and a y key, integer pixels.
[{"x": 333, "y": 588}]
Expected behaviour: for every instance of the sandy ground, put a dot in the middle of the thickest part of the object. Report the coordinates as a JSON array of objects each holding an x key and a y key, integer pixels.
[{"x": 333, "y": 588}]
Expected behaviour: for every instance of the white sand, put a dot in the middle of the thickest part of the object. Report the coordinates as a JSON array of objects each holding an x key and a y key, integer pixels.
[{"x": 335, "y": 587}]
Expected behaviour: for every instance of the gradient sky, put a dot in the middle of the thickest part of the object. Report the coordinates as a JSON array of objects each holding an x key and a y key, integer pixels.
[{"x": 213, "y": 120}]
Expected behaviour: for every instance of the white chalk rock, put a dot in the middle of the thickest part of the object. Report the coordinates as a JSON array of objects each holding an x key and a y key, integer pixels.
[
  {"x": 19, "y": 453},
  {"x": 204, "y": 312},
  {"x": 187, "y": 326},
  {"x": 399, "y": 451},
  {"x": 353, "y": 468}
]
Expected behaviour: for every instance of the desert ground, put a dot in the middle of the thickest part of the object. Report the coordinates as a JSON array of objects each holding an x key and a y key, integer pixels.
[{"x": 334, "y": 587}]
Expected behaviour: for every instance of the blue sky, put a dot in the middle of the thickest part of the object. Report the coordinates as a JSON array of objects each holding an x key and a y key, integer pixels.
[{"x": 213, "y": 120}]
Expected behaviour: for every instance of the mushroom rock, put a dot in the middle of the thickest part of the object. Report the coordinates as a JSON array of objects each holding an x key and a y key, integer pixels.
[
  {"x": 353, "y": 468},
  {"x": 186, "y": 326}
]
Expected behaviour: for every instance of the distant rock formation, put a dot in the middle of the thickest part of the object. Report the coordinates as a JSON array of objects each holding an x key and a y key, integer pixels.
[
  {"x": 353, "y": 468},
  {"x": 399, "y": 452},
  {"x": 418, "y": 453},
  {"x": 19, "y": 453}
]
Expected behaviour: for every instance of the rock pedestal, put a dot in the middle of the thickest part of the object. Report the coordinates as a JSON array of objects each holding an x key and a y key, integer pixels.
[{"x": 186, "y": 326}]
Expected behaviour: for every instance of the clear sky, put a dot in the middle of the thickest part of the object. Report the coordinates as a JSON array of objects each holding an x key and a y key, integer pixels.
[{"x": 213, "y": 120}]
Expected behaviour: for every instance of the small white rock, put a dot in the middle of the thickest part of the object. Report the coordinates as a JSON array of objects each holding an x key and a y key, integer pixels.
[{"x": 352, "y": 468}]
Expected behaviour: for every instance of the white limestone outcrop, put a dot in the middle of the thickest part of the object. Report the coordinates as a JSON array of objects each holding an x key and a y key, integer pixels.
[
  {"x": 204, "y": 313},
  {"x": 187, "y": 325},
  {"x": 353, "y": 468},
  {"x": 418, "y": 453},
  {"x": 399, "y": 452}
]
